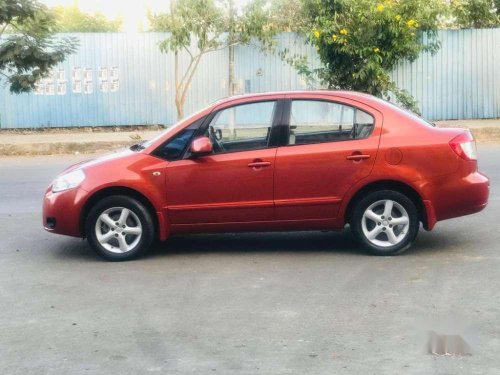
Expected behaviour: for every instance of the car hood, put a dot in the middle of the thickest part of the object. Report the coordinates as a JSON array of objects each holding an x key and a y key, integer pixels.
[{"x": 119, "y": 154}]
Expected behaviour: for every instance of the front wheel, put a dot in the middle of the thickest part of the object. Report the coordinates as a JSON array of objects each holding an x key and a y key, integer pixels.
[
  {"x": 385, "y": 222},
  {"x": 119, "y": 228}
]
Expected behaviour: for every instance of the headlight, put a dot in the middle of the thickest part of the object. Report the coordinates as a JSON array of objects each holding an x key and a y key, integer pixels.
[{"x": 68, "y": 181}]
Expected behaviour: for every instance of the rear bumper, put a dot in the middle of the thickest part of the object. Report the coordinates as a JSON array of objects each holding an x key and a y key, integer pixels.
[
  {"x": 454, "y": 197},
  {"x": 61, "y": 211}
]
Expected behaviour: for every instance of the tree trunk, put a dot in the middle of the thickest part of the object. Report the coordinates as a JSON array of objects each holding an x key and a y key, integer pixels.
[
  {"x": 180, "y": 111},
  {"x": 179, "y": 106},
  {"x": 231, "y": 88},
  {"x": 178, "y": 93}
]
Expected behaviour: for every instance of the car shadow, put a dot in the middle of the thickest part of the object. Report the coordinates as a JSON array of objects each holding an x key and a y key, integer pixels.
[
  {"x": 263, "y": 242},
  {"x": 258, "y": 242}
]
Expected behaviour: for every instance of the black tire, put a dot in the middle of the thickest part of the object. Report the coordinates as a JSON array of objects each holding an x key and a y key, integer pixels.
[
  {"x": 364, "y": 203},
  {"x": 140, "y": 212}
]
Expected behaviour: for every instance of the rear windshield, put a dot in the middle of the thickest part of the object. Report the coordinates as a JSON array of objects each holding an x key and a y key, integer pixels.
[{"x": 407, "y": 112}]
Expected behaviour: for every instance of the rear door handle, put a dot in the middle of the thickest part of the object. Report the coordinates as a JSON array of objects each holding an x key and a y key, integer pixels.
[
  {"x": 358, "y": 157},
  {"x": 259, "y": 164}
]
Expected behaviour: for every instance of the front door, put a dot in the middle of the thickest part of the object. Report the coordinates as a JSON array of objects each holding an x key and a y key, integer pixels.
[
  {"x": 331, "y": 145},
  {"x": 235, "y": 183}
]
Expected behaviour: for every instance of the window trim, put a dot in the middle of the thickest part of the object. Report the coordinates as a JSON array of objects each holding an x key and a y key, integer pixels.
[
  {"x": 285, "y": 135},
  {"x": 275, "y": 123}
]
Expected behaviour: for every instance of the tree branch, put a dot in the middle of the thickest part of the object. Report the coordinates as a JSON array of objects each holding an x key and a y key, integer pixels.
[
  {"x": 223, "y": 47},
  {"x": 3, "y": 28},
  {"x": 194, "y": 58},
  {"x": 187, "y": 83},
  {"x": 186, "y": 73},
  {"x": 188, "y": 51}
]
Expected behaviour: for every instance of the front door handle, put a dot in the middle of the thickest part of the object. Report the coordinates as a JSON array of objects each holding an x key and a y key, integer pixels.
[
  {"x": 358, "y": 156},
  {"x": 257, "y": 164}
]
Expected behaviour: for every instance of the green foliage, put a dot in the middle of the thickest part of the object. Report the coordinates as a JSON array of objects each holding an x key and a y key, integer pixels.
[
  {"x": 71, "y": 19},
  {"x": 198, "y": 27},
  {"x": 475, "y": 13},
  {"x": 255, "y": 23},
  {"x": 28, "y": 51},
  {"x": 287, "y": 15},
  {"x": 360, "y": 42},
  {"x": 198, "y": 19},
  {"x": 212, "y": 25}
]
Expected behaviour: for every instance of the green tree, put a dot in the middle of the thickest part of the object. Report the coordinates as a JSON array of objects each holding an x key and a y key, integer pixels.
[
  {"x": 71, "y": 19},
  {"x": 198, "y": 27},
  {"x": 28, "y": 49},
  {"x": 475, "y": 13},
  {"x": 287, "y": 15},
  {"x": 360, "y": 42}
]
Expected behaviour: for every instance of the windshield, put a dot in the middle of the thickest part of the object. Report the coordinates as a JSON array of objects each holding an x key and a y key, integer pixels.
[{"x": 171, "y": 130}]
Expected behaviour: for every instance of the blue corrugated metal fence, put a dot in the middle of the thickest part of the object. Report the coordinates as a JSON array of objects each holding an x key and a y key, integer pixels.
[
  {"x": 461, "y": 81},
  {"x": 123, "y": 79}
]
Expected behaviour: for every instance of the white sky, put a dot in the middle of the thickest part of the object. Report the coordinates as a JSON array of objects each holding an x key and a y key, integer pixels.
[{"x": 133, "y": 12}]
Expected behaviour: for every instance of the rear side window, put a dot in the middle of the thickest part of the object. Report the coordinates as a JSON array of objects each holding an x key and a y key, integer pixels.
[{"x": 315, "y": 121}]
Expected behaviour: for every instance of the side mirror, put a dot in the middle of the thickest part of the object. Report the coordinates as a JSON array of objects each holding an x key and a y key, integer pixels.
[{"x": 201, "y": 146}]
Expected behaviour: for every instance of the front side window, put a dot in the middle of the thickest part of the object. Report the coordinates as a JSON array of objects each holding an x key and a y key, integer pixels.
[
  {"x": 174, "y": 148},
  {"x": 315, "y": 121},
  {"x": 241, "y": 128}
]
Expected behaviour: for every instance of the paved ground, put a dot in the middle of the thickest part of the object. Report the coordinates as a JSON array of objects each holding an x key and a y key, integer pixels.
[{"x": 302, "y": 303}]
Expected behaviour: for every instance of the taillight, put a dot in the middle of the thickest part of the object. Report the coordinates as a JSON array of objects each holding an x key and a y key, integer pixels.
[{"x": 464, "y": 146}]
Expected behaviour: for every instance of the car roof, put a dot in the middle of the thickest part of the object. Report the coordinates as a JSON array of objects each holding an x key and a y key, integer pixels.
[{"x": 353, "y": 95}]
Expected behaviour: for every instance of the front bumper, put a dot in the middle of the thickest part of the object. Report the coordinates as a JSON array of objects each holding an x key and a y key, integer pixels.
[{"x": 62, "y": 211}]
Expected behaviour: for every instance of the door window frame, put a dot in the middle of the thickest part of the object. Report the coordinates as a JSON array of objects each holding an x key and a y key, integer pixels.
[{"x": 274, "y": 135}]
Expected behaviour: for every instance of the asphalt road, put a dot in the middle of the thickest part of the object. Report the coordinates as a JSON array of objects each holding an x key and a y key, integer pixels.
[{"x": 299, "y": 303}]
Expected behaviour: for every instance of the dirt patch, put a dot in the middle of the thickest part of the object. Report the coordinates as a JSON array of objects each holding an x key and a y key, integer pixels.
[
  {"x": 85, "y": 129},
  {"x": 32, "y": 149},
  {"x": 481, "y": 135},
  {"x": 486, "y": 135}
]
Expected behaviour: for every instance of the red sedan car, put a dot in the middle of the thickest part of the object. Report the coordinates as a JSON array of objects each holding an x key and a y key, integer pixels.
[{"x": 274, "y": 162}]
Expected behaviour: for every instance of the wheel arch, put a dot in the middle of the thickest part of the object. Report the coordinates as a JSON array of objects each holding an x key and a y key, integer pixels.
[
  {"x": 118, "y": 190},
  {"x": 395, "y": 185}
]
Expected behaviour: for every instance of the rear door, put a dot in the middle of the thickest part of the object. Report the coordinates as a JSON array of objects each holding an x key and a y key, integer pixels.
[{"x": 331, "y": 144}]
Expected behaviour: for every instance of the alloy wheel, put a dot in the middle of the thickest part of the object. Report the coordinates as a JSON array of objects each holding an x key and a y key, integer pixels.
[
  {"x": 118, "y": 229},
  {"x": 385, "y": 223}
]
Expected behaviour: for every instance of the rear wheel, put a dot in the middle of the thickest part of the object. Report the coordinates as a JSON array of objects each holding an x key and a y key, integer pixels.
[
  {"x": 386, "y": 222},
  {"x": 119, "y": 228}
]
